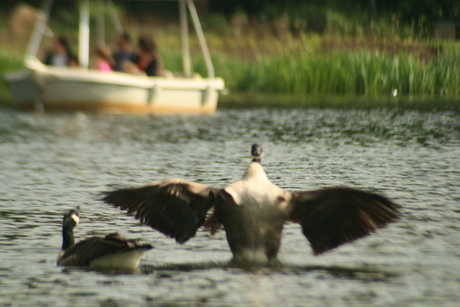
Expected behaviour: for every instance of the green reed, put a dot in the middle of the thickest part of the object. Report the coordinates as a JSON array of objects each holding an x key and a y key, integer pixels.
[
  {"x": 9, "y": 62},
  {"x": 367, "y": 73}
]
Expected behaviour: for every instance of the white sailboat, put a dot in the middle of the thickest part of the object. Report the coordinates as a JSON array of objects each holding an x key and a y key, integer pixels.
[{"x": 67, "y": 88}]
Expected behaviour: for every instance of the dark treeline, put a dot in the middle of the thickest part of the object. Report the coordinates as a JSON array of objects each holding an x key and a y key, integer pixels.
[
  {"x": 407, "y": 11},
  {"x": 312, "y": 14}
]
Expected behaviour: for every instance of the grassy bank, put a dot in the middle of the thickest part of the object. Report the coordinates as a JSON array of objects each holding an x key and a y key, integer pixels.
[
  {"x": 421, "y": 103},
  {"x": 362, "y": 72},
  {"x": 357, "y": 73},
  {"x": 8, "y": 62}
]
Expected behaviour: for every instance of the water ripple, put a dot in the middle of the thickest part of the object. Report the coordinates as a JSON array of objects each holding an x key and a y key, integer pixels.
[{"x": 51, "y": 162}]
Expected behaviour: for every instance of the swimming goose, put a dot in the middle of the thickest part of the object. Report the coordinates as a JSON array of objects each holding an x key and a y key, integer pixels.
[
  {"x": 109, "y": 252},
  {"x": 253, "y": 211}
]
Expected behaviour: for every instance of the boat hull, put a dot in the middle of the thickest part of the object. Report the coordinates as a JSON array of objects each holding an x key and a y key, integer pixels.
[{"x": 80, "y": 89}]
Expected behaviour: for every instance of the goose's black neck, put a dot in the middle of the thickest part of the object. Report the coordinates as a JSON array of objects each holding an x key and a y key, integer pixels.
[
  {"x": 69, "y": 222},
  {"x": 259, "y": 160},
  {"x": 68, "y": 238}
]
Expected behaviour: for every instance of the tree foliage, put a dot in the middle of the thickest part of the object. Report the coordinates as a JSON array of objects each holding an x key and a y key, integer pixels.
[{"x": 407, "y": 10}]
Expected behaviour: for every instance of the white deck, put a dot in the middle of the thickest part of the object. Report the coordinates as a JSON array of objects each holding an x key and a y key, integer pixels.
[{"x": 85, "y": 89}]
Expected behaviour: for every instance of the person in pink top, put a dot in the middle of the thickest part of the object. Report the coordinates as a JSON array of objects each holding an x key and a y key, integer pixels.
[{"x": 104, "y": 59}]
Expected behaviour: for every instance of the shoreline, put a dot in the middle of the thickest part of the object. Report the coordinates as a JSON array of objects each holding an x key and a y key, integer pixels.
[{"x": 280, "y": 101}]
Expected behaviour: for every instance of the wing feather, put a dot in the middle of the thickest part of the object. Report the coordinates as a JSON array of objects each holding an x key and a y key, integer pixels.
[
  {"x": 334, "y": 216},
  {"x": 175, "y": 207}
]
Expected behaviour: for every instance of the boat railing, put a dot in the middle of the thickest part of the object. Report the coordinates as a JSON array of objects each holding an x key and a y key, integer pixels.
[
  {"x": 39, "y": 28},
  {"x": 199, "y": 32}
]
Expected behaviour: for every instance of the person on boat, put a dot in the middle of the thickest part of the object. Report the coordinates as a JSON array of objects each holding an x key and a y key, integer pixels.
[
  {"x": 123, "y": 52},
  {"x": 104, "y": 59},
  {"x": 61, "y": 54},
  {"x": 148, "y": 58}
]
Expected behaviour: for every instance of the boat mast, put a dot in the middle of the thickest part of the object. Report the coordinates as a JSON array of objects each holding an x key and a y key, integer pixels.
[
  {"x": 39, "y": 28},
  {"x": 184, "y": 34},
  {"x": 115, "y": 19},
  {"x": 100, "y": 23},
  {"x": 199, "y": 32},
  {"x": 83, "y": 45}
]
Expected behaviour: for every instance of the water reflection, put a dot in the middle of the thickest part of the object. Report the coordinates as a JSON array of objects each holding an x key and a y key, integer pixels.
[{"x": 358, "y": 273}]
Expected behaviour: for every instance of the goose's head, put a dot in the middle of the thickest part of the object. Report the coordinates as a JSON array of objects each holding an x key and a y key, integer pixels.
[
  {"x": 71, "y": 218},
  {"x": 256, "y": 152}
]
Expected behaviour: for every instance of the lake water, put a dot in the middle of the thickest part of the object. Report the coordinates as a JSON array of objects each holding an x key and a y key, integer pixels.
[{"x": 51, "y": 162}]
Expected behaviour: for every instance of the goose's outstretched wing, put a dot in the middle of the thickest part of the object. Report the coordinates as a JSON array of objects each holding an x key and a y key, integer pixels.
[
  {"x": 334, "y": 216},
  {"x": 175, "y": 207},
  {"x": 85, "y": 251}
]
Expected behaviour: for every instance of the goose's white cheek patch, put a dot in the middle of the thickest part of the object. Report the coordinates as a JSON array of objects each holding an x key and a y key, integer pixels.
[{"x": 75, "y": 218}]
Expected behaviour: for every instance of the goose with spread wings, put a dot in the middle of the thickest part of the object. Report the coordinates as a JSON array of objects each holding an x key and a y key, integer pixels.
[
  {"x": 253, "y": 211},
  {"x": 109, "y": 252}
]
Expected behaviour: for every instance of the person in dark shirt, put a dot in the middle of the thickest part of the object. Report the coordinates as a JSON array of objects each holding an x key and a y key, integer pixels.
[
  {"x": 124, "y": 51},
  {"x": 148, "y": 59}
]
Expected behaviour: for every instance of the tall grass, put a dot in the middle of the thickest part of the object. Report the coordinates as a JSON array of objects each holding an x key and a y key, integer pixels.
[
  {"x": 9, "y": 62},
  {"x": 340, "y": 73}
]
